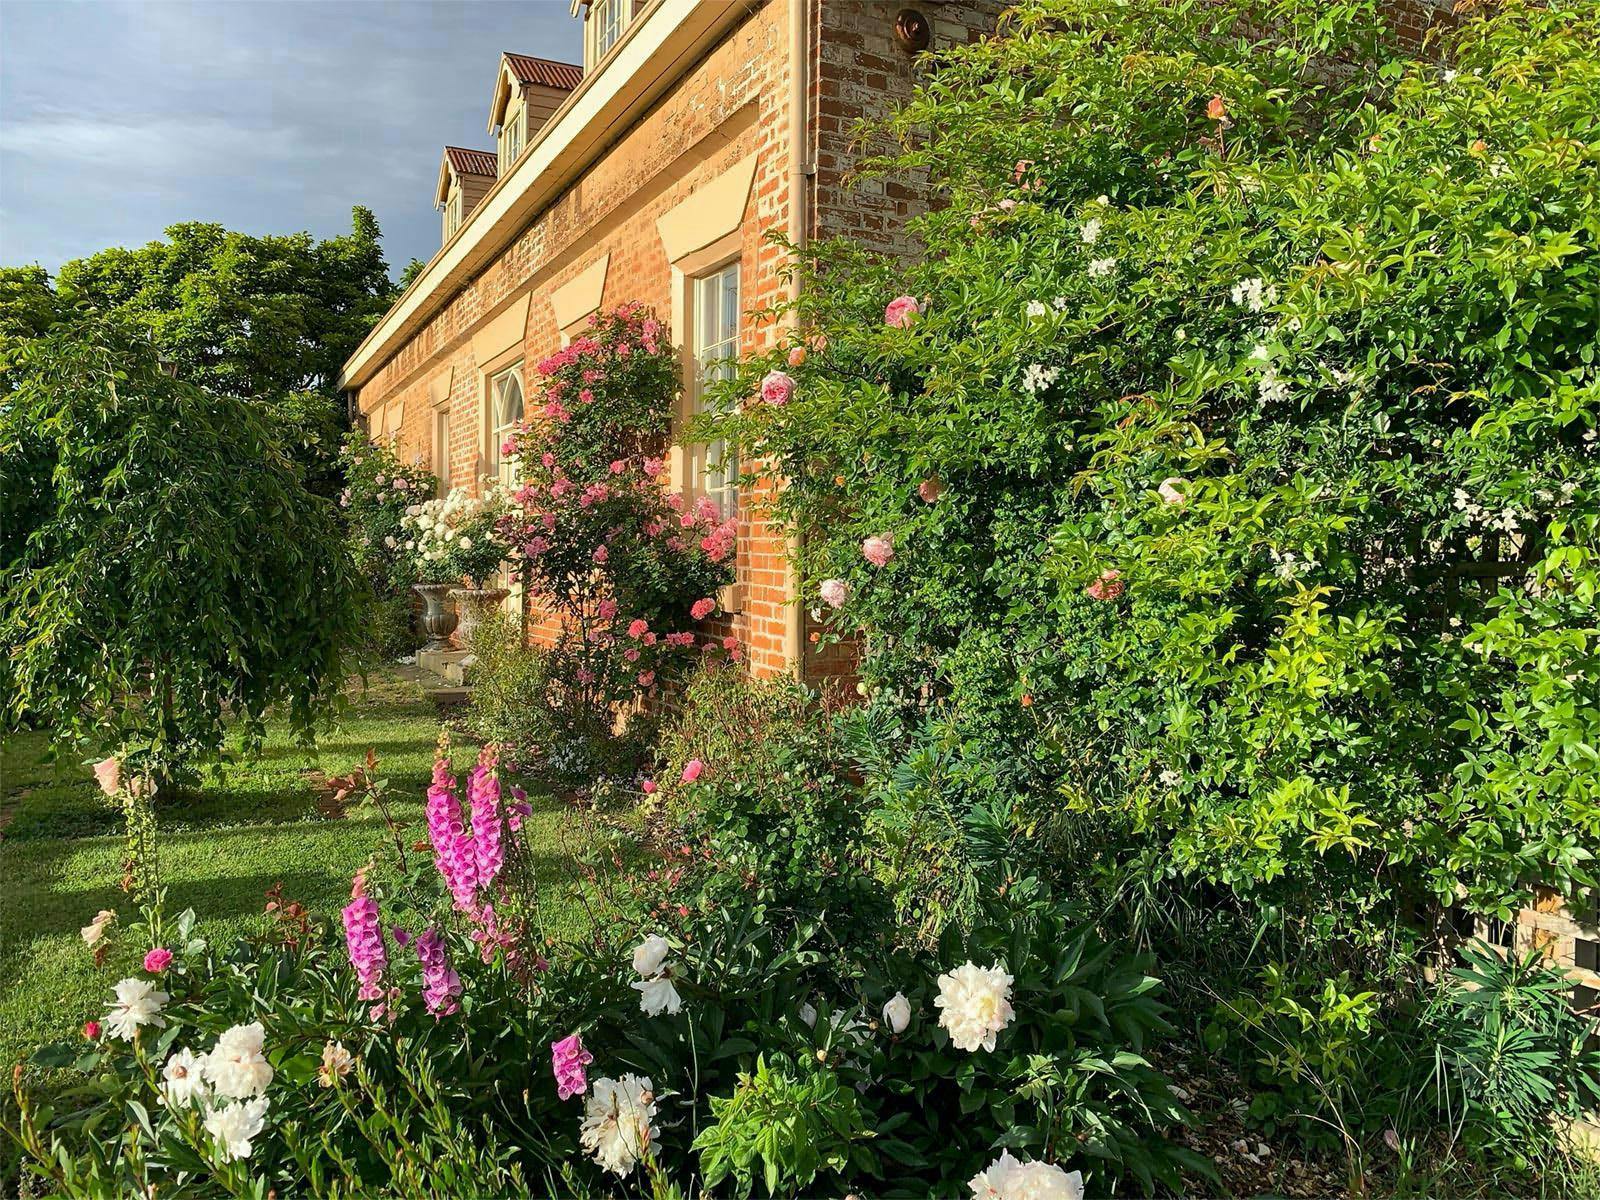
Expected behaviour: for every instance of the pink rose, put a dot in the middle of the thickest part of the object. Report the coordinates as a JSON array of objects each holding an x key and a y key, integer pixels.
[
  {"x": 701, "y": 609},
  {"x": 91, "y": 1030},
  {"x": 777, "y": 388},
  {"x": 646, "y": 678},
  {"x": 638, "y": 627},
  {"x": 929, "y": 489},
  {"x": 797, "y": 355},
  {"x": 108, "y": 774},
  {"x": 601, "y": 554},
  {"x": 649, "y": 787},
  {"x": 1108, "y": 587},
  {"x": 692, "y": 769},
  {"x": 901, "y": 311},
  {"x": 835, "y": 592},
  {"x": 878, "y": 549},
  {"x": 158, "y": 960},
  {"x": 618, "y": 467},
  {"x": 401, "y": 483}
]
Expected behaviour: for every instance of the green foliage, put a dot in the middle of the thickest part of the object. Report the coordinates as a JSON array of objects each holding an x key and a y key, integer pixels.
[
  {"x": 1240, "y": 463},
  {"x": 378, "y": 488},
  {"x": 1511, "y": 1052},
  {"x": 174, "y": 570},
  {"x": 788, "y": 1127}
]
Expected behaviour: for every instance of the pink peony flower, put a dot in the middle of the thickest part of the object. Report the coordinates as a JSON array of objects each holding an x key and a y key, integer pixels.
[
  {"x": 1108, "y": 587},
  {"x": 692, "y": 770},
  {"x": 158, "y": 960},
  {"x": 901, "y": 312},
  {"x": 835, "y": 592},
  {"x": 568, "y": 1059},
  {"x": 930, "y": 488},
  {"x": 703, "y": 608},
  {"x": 777, "y": 388},
  {"x": 797, "y": 355},
  {"x": 108, "y": 774},
  {"x": 878, "y": 549}
]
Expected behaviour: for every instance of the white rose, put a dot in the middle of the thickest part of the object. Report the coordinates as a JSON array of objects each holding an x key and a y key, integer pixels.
[{"x": 897, "y": 1012}]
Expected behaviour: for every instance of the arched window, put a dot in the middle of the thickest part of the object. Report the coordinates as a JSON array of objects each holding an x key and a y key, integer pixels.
[{"x": 505, "y": 414}]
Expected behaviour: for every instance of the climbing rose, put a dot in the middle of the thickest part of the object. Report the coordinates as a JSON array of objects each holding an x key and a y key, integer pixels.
[
  {"x": 692, "y": 769},
  {"x": 158, "y": 960},
  {"x": 1217, "y": 108},
  {"x": 568, "y": 1059},
  {"x": 797, "y": 355},
  {"x": 834, "y": 592},
  {"x": 1108, "y": 587},
  {"x": 701, "y": 609},
  {"x": 901, "y": 311},
  {"x": 1009, "y": 1178},
  {"x": 974, "y": 1004},
  {"x": 1171, "y": 490},
  {"x": 929, "y": 489},
  {"x": 638, "y": 627},
  {"x": 878, "y": 549},
  {"x": 777, "y": 388}
]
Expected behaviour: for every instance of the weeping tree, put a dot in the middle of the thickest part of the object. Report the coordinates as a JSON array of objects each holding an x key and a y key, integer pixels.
[{"x": 164, "y": 568}]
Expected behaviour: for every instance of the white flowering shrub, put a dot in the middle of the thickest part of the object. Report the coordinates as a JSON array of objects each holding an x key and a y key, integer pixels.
[
  {"x": 456, "y": 536},
  {"x": 1223, "y": 468}
]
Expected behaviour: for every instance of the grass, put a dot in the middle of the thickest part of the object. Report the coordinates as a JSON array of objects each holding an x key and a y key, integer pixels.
[{"x": 221, "y": 849}]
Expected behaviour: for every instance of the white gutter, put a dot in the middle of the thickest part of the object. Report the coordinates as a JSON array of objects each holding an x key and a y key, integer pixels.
[{"x": 641, "y": 67}]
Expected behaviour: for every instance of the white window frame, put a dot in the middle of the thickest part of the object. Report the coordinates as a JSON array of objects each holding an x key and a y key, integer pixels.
[
  {"x": 496, "y": 428},
  {"x": 453, "y": 204},
  {"x": 604, "y": 26},
  {"x": 441, "y": 448},
  {"x": 713, "y": 343},
  {"x": 513, "y": 131}
]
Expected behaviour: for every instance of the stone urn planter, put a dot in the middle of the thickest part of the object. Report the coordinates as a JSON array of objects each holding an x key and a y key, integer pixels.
[
  {"x": 475, "y": 606},
  {"x": 438, "y": 618}
]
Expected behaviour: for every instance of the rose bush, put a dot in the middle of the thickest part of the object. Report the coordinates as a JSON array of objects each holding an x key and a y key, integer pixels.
[{"x": 1222, "y": 469}]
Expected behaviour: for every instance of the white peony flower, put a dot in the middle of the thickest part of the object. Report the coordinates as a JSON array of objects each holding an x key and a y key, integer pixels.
[
  {"x": 183, "y": 1080},
  {"x": 1171, "y": 491},
  {"x": 897, "y": 1012},
  {"x": 657, "y": 995},
  {"x": 138, "y": 1003},
  {"x": 236, "y": 1125},
  {"x": 649, "y": 954},
  {"x": 975, "y": 1004},
  {"x": 1009, "y": 1178},
  {"x": 236, "y": 1066},
  {"x": 617, "y": 1118}
]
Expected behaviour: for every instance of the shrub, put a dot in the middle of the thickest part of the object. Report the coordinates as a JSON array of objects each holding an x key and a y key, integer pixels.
[
  {"x": 625, "y": 569},
  {"x": 378, "y": 489},
  {"x": 165, "y": 583},
  {"x": 456, "y": 537},
  {"x": 1227, "y": 445}
]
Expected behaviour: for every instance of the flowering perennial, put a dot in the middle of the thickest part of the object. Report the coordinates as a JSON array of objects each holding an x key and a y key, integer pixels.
[
  {"x": 618, "y": 1121},
  {"x": 974, "y": 1004}
]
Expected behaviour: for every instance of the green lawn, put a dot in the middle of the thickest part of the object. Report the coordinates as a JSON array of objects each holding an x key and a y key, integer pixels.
[{"x": 220, "y": 851}]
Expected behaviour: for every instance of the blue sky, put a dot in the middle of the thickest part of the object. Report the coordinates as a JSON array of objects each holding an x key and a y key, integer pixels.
[{"x": 119, "y": 119}]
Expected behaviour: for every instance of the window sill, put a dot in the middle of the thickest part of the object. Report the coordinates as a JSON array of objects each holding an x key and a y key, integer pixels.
[{"x": 730, "y": 598}]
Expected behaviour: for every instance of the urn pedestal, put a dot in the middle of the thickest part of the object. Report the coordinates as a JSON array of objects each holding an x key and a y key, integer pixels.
[
  {"x": 475, "y": 606},
  {"x": 438, "y": 618}
]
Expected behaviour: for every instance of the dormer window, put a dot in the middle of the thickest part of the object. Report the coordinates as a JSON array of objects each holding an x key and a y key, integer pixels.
[
  {"x": 513, "y": 136},
  {"x": 605, "y": 23},
  {"x": 465, "y": 177}
]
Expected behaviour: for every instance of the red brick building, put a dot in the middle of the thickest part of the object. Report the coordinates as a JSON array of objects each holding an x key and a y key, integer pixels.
[{"x": 653, "y": 173}]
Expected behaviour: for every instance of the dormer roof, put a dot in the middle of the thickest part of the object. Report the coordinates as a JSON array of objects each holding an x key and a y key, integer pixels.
[
  {"x": 460, "y": 161},
  {"x": 520, "y": 70}
]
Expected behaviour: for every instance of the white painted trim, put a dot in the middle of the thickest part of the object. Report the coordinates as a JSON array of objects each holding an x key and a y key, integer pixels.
[{"x": 655, "y": 49}]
